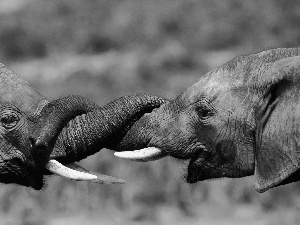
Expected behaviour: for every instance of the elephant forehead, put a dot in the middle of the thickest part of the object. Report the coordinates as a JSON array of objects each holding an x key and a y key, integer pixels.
[
  {"x": 15, "y": 90},
  {"x": 212, "y": 85}
]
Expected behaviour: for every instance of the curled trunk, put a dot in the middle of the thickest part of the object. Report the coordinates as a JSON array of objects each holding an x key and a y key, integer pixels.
[
  {"x": 52, "y": 118},
  {"x": 102, "y": 128}
]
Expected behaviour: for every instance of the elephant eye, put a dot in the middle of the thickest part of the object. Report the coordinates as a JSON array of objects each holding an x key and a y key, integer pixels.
[
  {"x": 205, "y": 109},
  {"x": 9, "y": 120},
  {"x": 203, "y": 112}
]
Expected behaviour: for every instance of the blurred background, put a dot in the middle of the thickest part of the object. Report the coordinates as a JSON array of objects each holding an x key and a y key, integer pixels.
[{"x": 104, "y": 49}]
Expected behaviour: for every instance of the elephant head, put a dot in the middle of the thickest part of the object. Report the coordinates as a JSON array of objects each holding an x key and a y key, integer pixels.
[
  {"x": 35, "y": 132},
  {"x": 241, "y": 119}
]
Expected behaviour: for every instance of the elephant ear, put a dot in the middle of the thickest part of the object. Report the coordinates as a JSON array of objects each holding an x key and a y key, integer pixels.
[{"x": 277, "y": 152}]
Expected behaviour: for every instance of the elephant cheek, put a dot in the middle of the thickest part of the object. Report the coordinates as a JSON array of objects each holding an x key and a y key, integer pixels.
[
  {"x": 228, "y": 160},
  {"x": 233, "y": 160},
  {"x": 213, "y": 164},
  {"x": 16, "y": 169},
  {"x": 226, "y": 151}
]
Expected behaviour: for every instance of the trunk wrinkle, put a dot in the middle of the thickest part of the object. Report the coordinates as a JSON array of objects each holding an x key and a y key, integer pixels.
[{"x": 104, "y": 127}]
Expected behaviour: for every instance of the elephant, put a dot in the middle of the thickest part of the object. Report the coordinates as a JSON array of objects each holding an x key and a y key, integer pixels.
[
  {"x": 39, "y": 137},
  {"x": 240, "y": 119}
]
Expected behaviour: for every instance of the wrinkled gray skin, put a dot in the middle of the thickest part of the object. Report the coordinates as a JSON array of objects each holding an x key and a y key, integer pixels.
[
  {"x": 241, "y": 119},
  {"x": 34, "y": 130}
]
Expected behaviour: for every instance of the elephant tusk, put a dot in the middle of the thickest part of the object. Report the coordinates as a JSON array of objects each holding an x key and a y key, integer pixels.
[
  {"x": 76, "y": 172},
  {"x": 101, "y": 178},
  {"x": 63, "y": 171},
  {"x": 142, "y": 155}
]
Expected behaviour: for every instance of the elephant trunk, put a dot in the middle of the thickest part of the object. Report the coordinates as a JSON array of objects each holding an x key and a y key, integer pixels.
[
  {"x": 153, "y": 136},
  {"x": 102, "y": 128},
  {"x": 147, "y": 136},
  {"x": 53, "y": 117}
]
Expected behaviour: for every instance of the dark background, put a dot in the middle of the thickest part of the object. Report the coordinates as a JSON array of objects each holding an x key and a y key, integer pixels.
[{"x": 108, "y": 48}]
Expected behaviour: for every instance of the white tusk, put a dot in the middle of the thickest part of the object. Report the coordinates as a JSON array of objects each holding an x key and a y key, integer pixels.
[
  {"x": 75, "y": 172},
  {"x": 101, "y": 178},
  {"x": 142, "y": 155},
  {"x": 63, "y": 171}
]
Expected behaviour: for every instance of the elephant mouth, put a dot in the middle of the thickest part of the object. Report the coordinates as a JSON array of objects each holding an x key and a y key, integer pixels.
[
  {"x": 25, "y": 174},
  {"x": 195, "y": 171},
  {"x": 35, "y": 179},
  {"x": 206, "y": 165},
  {"x": 198, "y": 166}
]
